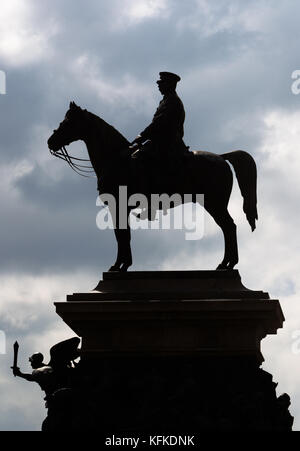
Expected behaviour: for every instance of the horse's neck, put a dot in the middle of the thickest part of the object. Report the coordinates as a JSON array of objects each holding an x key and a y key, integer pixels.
[{"x": 103, "y": 143}]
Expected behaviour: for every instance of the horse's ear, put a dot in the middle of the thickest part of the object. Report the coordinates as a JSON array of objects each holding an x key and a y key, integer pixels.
[{"x": 73, "y": 106}]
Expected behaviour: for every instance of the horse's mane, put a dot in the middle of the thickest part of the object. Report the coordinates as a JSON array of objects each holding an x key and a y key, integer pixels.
[{"x": 114, "y": 140}]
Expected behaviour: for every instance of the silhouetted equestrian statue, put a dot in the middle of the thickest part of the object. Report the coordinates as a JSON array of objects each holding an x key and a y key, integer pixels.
[
  {"x": 55, "y": 375},
  {"x": 158, "y": 161}
]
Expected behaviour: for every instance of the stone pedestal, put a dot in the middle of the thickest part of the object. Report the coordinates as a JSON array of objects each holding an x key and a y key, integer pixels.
[
  {"x": 195, "y": 313},
  {"x": 176, "y": 350}
]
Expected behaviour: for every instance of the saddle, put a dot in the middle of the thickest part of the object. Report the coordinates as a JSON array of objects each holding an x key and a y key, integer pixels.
[{"x": 152, "y": 172}]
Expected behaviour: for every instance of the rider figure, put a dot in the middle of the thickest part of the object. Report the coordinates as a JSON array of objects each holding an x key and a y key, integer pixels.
[
  {"x": 161, "y": 143},
  {"x": 165, "y": 132}
]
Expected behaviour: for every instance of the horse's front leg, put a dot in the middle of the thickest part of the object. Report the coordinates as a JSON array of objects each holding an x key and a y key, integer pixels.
[
  {"x": 124, "y": 256},
  {"x": 125, "y": 249}
]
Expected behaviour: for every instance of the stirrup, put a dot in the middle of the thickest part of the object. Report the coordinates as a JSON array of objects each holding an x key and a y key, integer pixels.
[{"x": 146, "y": 214}]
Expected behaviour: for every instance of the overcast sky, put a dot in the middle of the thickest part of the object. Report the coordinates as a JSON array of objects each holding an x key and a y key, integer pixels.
[{"x": 235, "y": 60}]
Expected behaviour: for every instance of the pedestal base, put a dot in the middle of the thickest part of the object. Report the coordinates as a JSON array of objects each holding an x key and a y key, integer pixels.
[
  {"x": 170, "y": 352},
  {"x": 169, "y": 395}
]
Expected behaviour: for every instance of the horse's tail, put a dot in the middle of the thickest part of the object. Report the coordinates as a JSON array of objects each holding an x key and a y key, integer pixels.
[{"x": 246, "y": 174}]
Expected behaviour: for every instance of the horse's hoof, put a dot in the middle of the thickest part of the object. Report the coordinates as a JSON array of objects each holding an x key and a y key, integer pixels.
[
  {"x": 114, "y": 268},
  {"x": 96, "y": 288},
  {"x": 124, "y": 268},
  {"x": 224, "y": 267}
]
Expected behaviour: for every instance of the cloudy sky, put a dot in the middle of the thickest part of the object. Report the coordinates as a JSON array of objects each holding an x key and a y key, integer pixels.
[{"x": 236, "y": 60}]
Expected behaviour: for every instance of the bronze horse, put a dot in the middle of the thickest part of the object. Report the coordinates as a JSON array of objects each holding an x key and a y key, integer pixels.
[{"x": 204, "y": 173}]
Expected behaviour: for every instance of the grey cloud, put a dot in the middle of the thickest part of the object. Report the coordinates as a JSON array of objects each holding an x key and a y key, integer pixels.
[{"x": 232, "y": 75}]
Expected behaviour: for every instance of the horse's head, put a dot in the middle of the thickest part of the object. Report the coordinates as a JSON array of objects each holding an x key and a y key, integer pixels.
[{"x": 69, "y": 130}]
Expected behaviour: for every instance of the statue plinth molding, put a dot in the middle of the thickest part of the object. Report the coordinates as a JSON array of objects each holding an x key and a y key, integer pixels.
[{"x": 203, "y": 313}]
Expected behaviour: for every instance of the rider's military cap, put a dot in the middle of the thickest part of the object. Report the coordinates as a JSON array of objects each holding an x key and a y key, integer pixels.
[{"x": 169, "y": 76}]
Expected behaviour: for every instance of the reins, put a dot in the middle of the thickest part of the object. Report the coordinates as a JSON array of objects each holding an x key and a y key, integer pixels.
[{"x": 78, "y": 168}]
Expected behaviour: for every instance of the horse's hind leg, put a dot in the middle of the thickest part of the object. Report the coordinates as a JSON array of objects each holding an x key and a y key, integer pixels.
[
  {"x": 228, "y": 227},
  {"x": 225, "y": 221}
]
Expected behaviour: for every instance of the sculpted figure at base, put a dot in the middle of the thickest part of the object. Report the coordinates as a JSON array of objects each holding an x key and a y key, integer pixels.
[
  {"x": 177, "y": 170},
  {"x": 56, "y": 374},
  {"x": 42, "y": 373}
]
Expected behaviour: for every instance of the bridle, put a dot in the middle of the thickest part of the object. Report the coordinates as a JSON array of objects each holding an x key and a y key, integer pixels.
[{"x": 78, "y": 168}]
